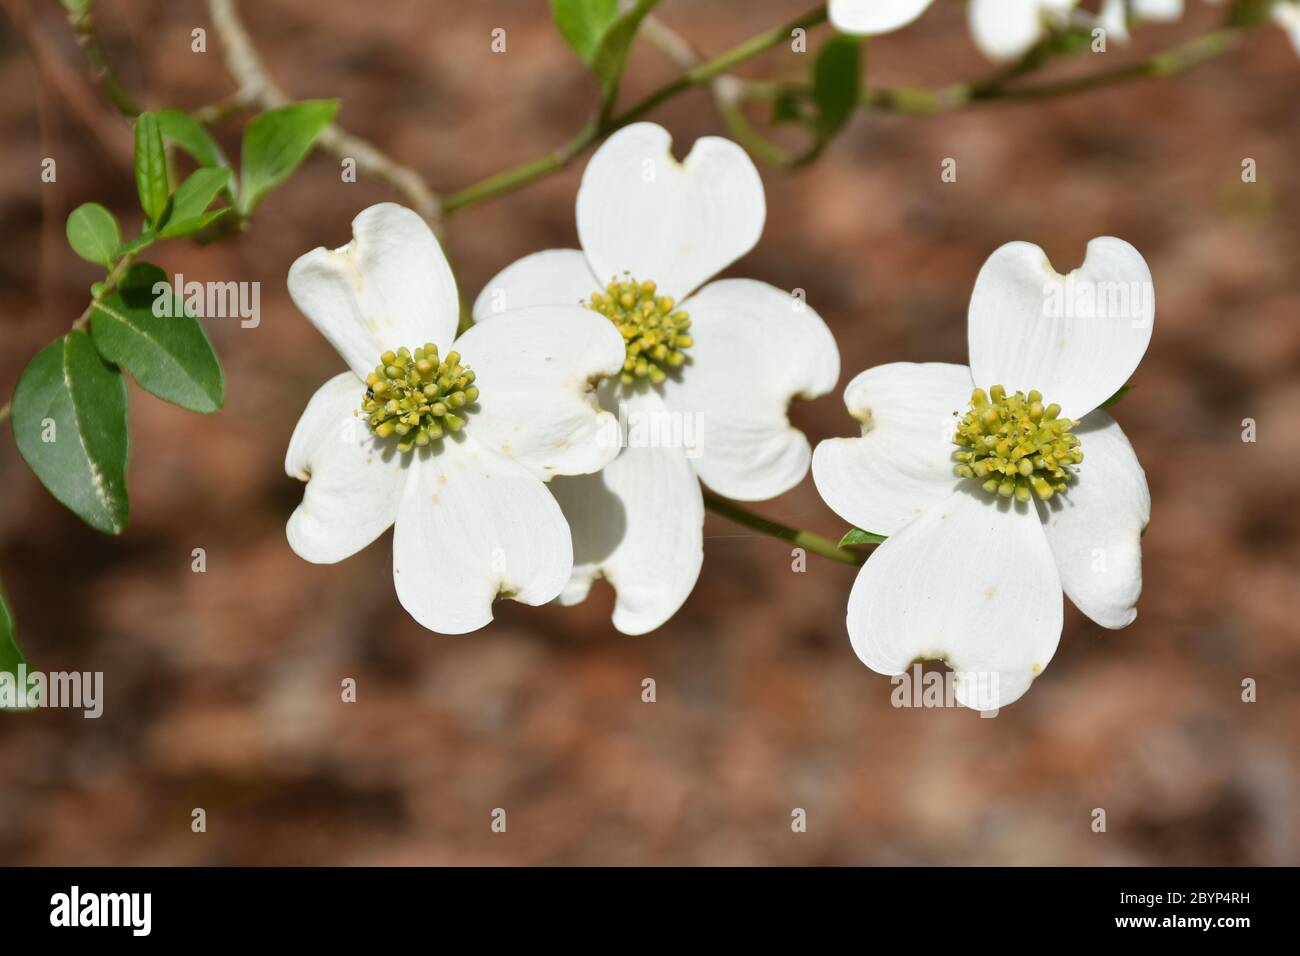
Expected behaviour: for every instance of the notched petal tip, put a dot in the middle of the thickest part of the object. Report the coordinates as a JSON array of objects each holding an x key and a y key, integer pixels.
[
  {"x": 642, "y": 212},
  {"x": 387, "y": 287}
]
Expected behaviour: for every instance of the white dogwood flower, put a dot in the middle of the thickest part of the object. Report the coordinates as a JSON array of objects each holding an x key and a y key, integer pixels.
[
  {"x": 1002, "y": 29},
  {"x": 873, "y": 17},
  {"x": 449, "y": 439},
  {"x": 709, "y": 369},
  {"x": 1001, "y": 484}
]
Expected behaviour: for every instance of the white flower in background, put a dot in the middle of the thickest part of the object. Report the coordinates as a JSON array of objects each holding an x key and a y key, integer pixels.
[
  {"x": 873, "y": 17},
  {"x": 1287, "y": 16},
  {"x": 712, "y": 368},
  {"x": 451, "y": 441},
  {"x": 1006, "y": 29},
  {"x": 1002, "y": 29},
  {"x": 1115, "y": 14},
  {"x": 1000, "y": 484}
]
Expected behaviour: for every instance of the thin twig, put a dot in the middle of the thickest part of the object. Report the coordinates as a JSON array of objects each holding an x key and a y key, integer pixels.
[
  {"x": 257, "y": 90},
  {"x": 796, "y": 536},
  {"x": 669, "y": 42},
  {"x": 101, "y": 71},
  {"x": 1001, "y": 88},
  {"x": 70, "y": 85}
]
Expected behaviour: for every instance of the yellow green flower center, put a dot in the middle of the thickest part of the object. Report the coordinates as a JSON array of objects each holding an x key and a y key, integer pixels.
[
  {"x": 417, "y": 396},
  {"x": 1015, "y": 445},
  {"x": 654, "y": 332}
]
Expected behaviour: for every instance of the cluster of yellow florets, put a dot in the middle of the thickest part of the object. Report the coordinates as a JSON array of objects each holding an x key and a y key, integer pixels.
[
  {"x": 417, "y": 396},
  {"x": 654, "y": 332},
  {"x": 1016, "y": 444}
]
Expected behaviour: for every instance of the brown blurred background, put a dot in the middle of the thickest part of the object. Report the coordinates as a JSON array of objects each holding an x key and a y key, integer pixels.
[{"x": 222, "y": 689}]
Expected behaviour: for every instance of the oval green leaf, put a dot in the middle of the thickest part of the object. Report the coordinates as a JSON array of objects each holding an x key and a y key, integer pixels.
[
  {"x": 191, "y": 136},
  {"x": 163, "y": 348},
  {"x": 275, "y": 142},
  {"x": 93, "y": 234},
  {"x": 837, "y": 73},
  {"x": 69, "y": 421},
  {"x": 150, "y": 167},
  {"x": 142, "y": 241},
  {"x": 609, "y": 58},
  {"x": 858, "y": 536},
  {"x": 191, "y": 201},
  {"x": 583, "y": 22}
]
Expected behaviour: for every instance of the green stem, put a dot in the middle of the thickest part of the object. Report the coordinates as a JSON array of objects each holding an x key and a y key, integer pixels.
[
  {"x": 1166, "y": 63},
  {"x": 796, "y": 536},
  {"x": 101, "y": 71},
  {"x": 595, "y": 130},
  {"x": 108, "y": 285}
]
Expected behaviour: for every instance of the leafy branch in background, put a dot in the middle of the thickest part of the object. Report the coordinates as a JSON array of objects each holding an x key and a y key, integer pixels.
[{"x": 69, "y": 410}]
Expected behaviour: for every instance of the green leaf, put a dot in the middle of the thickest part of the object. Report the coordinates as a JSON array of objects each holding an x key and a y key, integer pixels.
[
  {"x": 93, "y": 234},
  {"x": 191, "y": 200},
  {"x": 858, "y": 536},
  {"x": 583, "y": 23},
  {"x": 196, "y": 226},
  {"x": 837, "y": 81},
  {"x": 142, "y": 241},
  {"x": 150, "y": 167},
  {"x": 275, "y": 143},
  {"x": 1068, "y": 42},
  {"x": 1114, "y": 399},
  {"x": 788, "y": 107},
  {"x": 190, "y": 135},
  {"x": 167, "y": 353},
  {"x": 609, "y": 58},
  {"x": 11, "y": 656},
  {"x": 69, "y": 420},
  {"x": 1247, "y": 13}
]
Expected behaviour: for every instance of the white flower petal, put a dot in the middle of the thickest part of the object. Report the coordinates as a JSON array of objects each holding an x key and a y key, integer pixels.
[
  {"x": 902, "y": 464},
  {"x": 640, "y": 524},
  {"x": 972, "y": 582},
  {"x": 473, "y": 525},
  {"x": 553, "y": 277},
  {"x": 678, "y": 224},
  {"x": 1113, "y": 18},
  {"x": 755, "y": 348},
  {"x": 1158, "y": 9},
  {"x": 1287, "y": 16},
  {"x": 1095, "y": 528},
  {"x": 390, "y": 286},
  {"x": 534, "y": 370},
  {"x": 1114, "y": 14},
  {"x": 353, "y": 481},
  {"x": 1005, "y": 29},
  {"x": 1075, "y": 338},
  {"x": 872, "y": 17}
]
